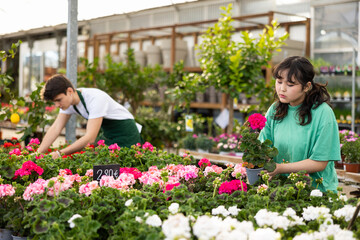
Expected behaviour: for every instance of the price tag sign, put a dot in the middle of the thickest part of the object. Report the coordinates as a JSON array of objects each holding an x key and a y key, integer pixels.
[{"x": 108, "y": 170}]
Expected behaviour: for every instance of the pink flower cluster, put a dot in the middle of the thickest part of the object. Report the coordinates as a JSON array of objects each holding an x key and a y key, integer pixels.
[
  {"x": 34, "y": 141},
  {"x": 64, "y": 172},
  {"x": 35, "y": 188},
  {"x": 124, "y": 181},
  {"x": 152, "y": 176},
  {"x": 257, "y": 121},
  {"x": 148, "y": 146},
  {"x": 204, "y": 162},
  {"x": 239, "y": 169},
  {"x": 62, "y": 183},
  {"x": 134, "y": 171},
  {"x": 15, "y": 151},
  {"x": 6, "y": 190},
  {"x": 114, "y": 147},
  {"x": 231, "y": 186},
  {"x": 27, "y": 168},
  {"x": 187, "y": 172},
  {"x": 101, "y": 143},
  {"x": 88, "y": 187},
  {"x": 213, "y": 168}
]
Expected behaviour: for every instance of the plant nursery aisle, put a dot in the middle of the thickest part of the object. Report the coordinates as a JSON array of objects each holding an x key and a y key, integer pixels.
[{"x": 108, "y": 192}]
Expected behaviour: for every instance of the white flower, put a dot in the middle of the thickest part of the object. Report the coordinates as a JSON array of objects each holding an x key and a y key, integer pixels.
[
  {"x": 347, "y": 212},
  {"x": 233, "y": 235},
  {"x": 207, "y": 227},
  {"x": 316, "y": 193},
  {"x": 154, "y": 221},
  {"x": 220, "y": 210},
  {"x": 234, "y": 210},
  {"x": 177, "y": 227},
  {"x": 128, "y": 202},
  {"x": 138, "y": 219},
  {"x": 289, "y": 212},
  {"x": 343, "y": 197},
  {"x": 264, "y": 233},
  {"x": 71, "y": 220},
  {"x": 344, "y": 235},
  {"x": 312, "y": 213},
  {"x": 174, "y": 208},
  {"x": 265, "y": 218}
]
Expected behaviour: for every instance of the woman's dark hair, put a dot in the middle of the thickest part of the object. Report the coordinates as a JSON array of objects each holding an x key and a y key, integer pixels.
[
  {"x": 56, "y": 85},
  {"x": 300, "y": 69}
]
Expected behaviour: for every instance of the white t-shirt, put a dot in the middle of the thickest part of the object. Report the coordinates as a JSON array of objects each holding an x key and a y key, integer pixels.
[{"x": 99, "y": 104}]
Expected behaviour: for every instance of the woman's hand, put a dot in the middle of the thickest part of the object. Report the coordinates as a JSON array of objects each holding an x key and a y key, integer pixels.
[
  {"x": 275, "y": 172},
  {"x": 55, "y": 154}
]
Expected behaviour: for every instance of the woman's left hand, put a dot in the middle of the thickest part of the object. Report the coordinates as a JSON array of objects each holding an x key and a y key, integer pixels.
[{"x": 54, "y": 155}]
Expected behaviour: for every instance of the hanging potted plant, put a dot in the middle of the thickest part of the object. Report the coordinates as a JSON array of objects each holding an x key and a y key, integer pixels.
[
  {"x": 351, "y": 150},
  {"x": 258, "y": 155}
]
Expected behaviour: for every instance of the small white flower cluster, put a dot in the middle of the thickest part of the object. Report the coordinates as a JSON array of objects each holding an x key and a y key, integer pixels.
[
  {"x": 328, "y": 232},
  {"x": 265, "y": 218},
  {"x": 316, "y": 193},
  {"x": 313, "y": 213},
  {"x": 174, "y": 208},
  {"x": 177, "y": 227},
  {"x": 221, "y": 210},
  {"x": 213, "y": 227},
  {"x": 154, "y": 220},
  {"x": 71, "y": 220},
  {"x": 347, "y": 212}
]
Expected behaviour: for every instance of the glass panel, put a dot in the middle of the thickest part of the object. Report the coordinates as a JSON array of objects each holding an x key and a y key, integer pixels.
[{"x": 336, "y": 26}]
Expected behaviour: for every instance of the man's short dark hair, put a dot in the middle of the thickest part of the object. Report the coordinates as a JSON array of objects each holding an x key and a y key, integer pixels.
[{"x": 54, "y": 86}]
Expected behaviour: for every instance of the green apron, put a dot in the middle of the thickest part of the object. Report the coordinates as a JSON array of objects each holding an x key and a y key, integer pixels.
[{"x": 123, "y": 132}]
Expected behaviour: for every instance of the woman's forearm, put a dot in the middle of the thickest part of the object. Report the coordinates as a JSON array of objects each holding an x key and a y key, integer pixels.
[{"x": 308, "y": 165}]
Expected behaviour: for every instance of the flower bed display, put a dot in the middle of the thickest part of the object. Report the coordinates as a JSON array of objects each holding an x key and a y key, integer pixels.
[{"x": 157, "y": 195}]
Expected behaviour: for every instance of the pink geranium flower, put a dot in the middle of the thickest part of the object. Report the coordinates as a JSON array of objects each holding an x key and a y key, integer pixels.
[
  {"x": 88, "y": 187},
  {"x": 204, "y": 162},
  {"x": 6, "y": 190},
  {"x": 213, "y": 168},
  {"x": 101, "y": 143},
  {"x": 239, "y": 169},
  {"x": 15, "y": 151},
  {"x": 114, "y": 147},
  {"x": 257, "y": 121},
  {"x": 232, "y": 186},
  {"x": 34, "y": 141},
  {"x": 148, "y": 146},
  {"x": 27, "y": 168}
]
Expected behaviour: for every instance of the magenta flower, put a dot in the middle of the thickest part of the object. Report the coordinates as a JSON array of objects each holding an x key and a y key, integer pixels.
[
  {"x": 101, "y": 143},
  {"x": 114, "y": 147},
  {"x": 148, "y": 146},
  {"x": 27, "y": 168},
  {"x": 204, "y": 162},
  {"x": 34, "y": 141},
  {"x": 232, "y": 186},
  {"x": 15, "y": 151},
  {"x": 257, "y": 121}
]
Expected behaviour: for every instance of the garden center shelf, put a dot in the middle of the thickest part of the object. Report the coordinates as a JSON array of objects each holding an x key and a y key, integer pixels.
[
  {"x": 348, "y": 177},
  {"x": 200, "y": 105}
]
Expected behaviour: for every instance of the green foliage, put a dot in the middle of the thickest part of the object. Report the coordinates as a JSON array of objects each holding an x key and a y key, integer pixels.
[
  {"x": 204, "y": 142},
  {"x": 131, "y": 79},
  {"x": 157, "y": 127},
  {"x": 259, "y": 154},
  {"x": 36, "y": 115},
  {"x": 188, "y": 142},
  {"x": 351, "y": 150}
]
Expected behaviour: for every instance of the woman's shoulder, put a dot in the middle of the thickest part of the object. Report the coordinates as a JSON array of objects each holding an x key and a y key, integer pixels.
[{"x": 323, "y": 108}]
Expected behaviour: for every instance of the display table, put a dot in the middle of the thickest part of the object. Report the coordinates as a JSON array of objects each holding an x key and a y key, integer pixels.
[{"x": 213, "y": 157}]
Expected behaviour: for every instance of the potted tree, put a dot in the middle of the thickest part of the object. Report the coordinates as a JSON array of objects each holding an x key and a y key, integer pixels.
[
  {"x": 351, "y": 150},
  {"x": 235, "y": 67}
]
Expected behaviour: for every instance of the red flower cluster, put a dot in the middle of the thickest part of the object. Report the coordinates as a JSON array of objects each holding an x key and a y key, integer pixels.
[
  {"x": 169, "y": 187},
  {"x": 232, "y": 186},
  {"x": 27, "y": 168},
  {"x": 257, "y": 121},
  {"x": 9, "y": 145},
  {"x": 204, "y": 162},
  {"x": 134, "y": 171}
]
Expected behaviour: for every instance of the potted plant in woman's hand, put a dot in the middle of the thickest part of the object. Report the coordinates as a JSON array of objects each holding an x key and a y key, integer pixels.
[
  {"x": 257, "y": 155},
  {"x": 351, "y": 150},
  {"x": 204, "y": 143}
]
